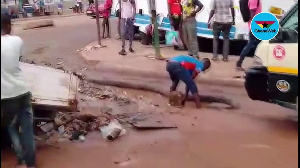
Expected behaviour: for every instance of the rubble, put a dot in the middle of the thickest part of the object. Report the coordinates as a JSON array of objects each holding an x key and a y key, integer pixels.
[
  {"x": 103, "y": 94},
  {"x": 75, "y": 124}
]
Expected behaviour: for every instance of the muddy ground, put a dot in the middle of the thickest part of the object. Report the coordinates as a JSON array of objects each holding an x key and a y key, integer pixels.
[{"x": 257, "y": 135}]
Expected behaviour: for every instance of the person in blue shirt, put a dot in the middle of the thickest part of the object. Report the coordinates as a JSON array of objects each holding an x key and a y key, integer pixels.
[{"x": 186, "y": 68}]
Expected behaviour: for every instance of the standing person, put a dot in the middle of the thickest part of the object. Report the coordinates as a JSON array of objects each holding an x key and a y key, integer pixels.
[
  {"x": 79, "y": 2},
  {"x": 189, "y": 25},
  {"x": 106, "y": 15},
  {"x": 255, "y": 8},
  {"x": 224, "y": 18},
  {"x": 175, "y": 17},
  {"x": 128, "y": 12},
  {"x": 15, "y": 97},
  {"x": 186, "y": 68}
]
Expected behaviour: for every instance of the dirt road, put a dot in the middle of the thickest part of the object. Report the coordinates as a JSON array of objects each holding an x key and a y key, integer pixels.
[{"x": 259, "y": 135}]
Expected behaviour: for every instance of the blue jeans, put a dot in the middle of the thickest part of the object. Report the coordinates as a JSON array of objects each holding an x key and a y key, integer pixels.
[
  {"x": 252, "y": 44},
  {"x": 179, "y": 73},
  {"x": 127, "y": 31},
  {"x": 18, "y": 117}
]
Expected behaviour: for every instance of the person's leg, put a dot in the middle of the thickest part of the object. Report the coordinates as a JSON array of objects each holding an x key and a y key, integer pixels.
[
  {"x": 226, "y": 32},
  {"x": 123, "y": 36},
  {"x": 247, "y": 49},
  {"x": 130, "y": 34},
  {"x": 80, "y": 7},
  {"x": 26, "y": 124},
  {"x": 192, "y": 37},
  {"x": 173, "y": 69},
  {"x": 191, "y": 86},
  {"x": 176, "y": 28},
  {"x": 185, "y": 35},
  {"x": 119, "y": 28},
  {"x": 216, "y": 34},
  {"x": 11, "y": 109},
  {"x": 180, "y": 33},
  {"x": 104, "y": 20},
  {"x": 108, "y": 28}
]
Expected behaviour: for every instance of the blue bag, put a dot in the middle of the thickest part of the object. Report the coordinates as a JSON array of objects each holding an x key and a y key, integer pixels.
[{"x": 171, "y": 38}]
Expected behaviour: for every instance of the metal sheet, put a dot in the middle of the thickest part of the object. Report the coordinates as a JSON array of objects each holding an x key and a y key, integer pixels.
[{"x": 51, "y": 87}]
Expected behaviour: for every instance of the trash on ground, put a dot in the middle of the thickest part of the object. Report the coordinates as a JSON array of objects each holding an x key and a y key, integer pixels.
[
  {"x": 73, "y": 125},
  {"x": 79, "y": 75},
  {"x": 59, "y": 63},
  {"x": 113, "y": 130},
  {"x": 89, "y": 48}
]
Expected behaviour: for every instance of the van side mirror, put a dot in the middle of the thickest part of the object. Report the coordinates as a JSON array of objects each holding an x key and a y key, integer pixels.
[{"x": 285, "y": 36}]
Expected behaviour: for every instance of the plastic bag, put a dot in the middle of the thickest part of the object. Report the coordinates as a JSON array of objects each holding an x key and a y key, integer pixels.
[
  {"x": 107, "y": 130},
  {"x": 171, "y": 38}
]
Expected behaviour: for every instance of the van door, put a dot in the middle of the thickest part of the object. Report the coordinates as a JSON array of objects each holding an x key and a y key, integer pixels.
[{"x": 283, "y": 61}]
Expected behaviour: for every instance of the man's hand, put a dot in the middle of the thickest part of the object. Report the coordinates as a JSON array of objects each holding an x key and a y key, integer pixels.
[
  {"x": 132, "y": 18},
  {"x": 183, "y": 102},
  {"x": 171, "y": 22},
  {"x": 208, "y": 25}
]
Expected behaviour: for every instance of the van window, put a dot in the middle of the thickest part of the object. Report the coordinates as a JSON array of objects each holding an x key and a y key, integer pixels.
[{"x": 292, "y": 22}]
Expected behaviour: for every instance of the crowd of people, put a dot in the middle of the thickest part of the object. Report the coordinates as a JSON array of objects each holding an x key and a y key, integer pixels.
[{"x": 182, "y": 16}]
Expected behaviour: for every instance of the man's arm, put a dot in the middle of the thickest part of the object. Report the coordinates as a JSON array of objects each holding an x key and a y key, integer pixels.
[
  {"x": 174, "y": 86},
  {"x": 169, "y": 10},
  {"x": 134, "y": 7},
  {"x": 253, "y": 5},
  {"x": 199, "y": 6},
  {"x": 194, "y": 75},
  {"x": 211, "y": 13}
]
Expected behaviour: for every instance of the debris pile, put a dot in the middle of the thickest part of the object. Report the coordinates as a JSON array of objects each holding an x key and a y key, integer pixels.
[
  {"x": 104, "y": 94},
  {"x": 73, "y": 125}
]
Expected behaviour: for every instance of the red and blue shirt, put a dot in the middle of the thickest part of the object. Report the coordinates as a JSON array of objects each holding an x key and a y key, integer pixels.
[{"x": 189, "y": 63}]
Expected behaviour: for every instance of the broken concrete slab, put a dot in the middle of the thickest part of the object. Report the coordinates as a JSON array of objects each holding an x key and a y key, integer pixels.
[
  {"x": 51, "y": 88},
  {"x": 38, "y": 24}
]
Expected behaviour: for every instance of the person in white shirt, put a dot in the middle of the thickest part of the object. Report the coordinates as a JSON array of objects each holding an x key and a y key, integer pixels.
[
  {"x": 79, "y": 2},
  {"x": 128, "y": 11},
  {"x": 15, "y": 97}
]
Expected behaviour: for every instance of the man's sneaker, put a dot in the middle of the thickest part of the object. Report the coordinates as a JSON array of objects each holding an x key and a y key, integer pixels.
[
  {"x": 215, "y": 59},
  {"x": 123, "y": 52},
  {"x": 225, "y": 59},
  {"x": 240, "y": 69},
  {"x": 131, "y": 50}
]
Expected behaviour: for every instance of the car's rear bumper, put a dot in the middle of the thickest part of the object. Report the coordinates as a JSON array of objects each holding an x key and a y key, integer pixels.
[
  {"x": 90, "y": 13},
  {"x": 261, "y": 85}
]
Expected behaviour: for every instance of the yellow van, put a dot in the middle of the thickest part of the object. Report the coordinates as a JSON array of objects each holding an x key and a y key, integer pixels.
[{"x": 273, "y": 77}]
